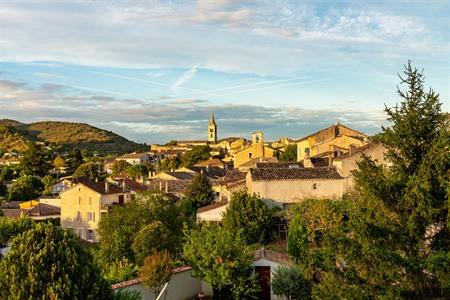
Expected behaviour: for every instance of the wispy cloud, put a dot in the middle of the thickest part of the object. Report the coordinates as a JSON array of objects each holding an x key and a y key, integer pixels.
[{"x": 184, "y": 78}]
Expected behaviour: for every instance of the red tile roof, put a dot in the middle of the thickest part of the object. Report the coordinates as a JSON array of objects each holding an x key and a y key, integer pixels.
[
  {"x": 281, "y": 165},
  {"x": 267, "y": 174}
]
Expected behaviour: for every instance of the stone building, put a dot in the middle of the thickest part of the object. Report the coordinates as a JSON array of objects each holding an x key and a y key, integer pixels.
[
  {"x": 257, "y": 149},
  {"x": 330, "y": 142},
  {"x": 83, "y": 204}
]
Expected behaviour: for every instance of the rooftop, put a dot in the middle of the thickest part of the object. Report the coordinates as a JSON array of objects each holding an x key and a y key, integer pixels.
[{"x": 268, "y": 174}]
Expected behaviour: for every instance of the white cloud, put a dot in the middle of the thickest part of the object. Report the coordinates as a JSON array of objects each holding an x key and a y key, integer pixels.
[{"x": 184, "y": 78}]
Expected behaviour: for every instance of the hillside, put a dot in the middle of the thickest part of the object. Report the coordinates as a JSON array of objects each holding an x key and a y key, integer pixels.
[{"x": 64, "y": 135}]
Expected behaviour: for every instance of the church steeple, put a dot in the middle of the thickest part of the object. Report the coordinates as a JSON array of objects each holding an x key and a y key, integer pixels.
[{"x": 212, "y": 130}]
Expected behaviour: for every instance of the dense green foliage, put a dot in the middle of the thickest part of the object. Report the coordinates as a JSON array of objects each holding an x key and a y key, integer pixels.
[
  {"x": 74, "y": 160},
  {"x": 170, "y": 164},
  {"x": 198, "y": 153},
  {"x": 25, "y": 188},
  {"x": 297, "y": 238},
  {"x": 138, "y": 171},
  {"x": 120, "y": 166},
  {"x": 9, "y": 228},
  {"x": 119, "y": 270},
  {"x": 289, "y": 154},
  {"x": 47, "y": 262},
  {"x": 123, "y": 294},
  {"x": 65, "y": 135},
  {"x": 250, "y": 214},
  {"x": 36, "y": 160},
  {"x": 200, "y": 191},
  {"x": 126, "y": 228},
  {"x": 290, "y": 282},
  {"x": 221, "y": 257},
  {"x": 90, "y": 169},
  {"x": 48, "y": 181},
  {"x": 391, "y": 238}
]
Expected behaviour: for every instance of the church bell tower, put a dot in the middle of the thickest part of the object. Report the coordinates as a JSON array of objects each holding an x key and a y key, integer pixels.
[{"x": 212, "y": 130}]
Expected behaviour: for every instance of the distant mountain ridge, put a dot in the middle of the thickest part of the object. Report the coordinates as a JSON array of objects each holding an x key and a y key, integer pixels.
[{"x": 64, "y": 136}]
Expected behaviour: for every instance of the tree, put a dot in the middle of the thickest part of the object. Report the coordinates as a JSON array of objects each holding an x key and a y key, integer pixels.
[
  {"x": 48, "y": 181},
  {"x": 297, "y": 239},
  {"x": 250, "y": 214},
  {"x": 120, "y": 166},
  {"x": 198, "y": 153},
  {"x": 220, "y": 257},
  {"x": 289, "y": 154},
  {"x": 390, "y": 238},
  {"x": 152, "y": 238},
  {"x": 47, "y": 262},
  {"x": 119, "y": 228},
  {"x": 170, "y": 164},
  {"x": 74, "y": 160},
  {"x": 123, "y": 294},
  {"x": 9, "y": 228},
  {"x": 25, "y": 188},
  {"x": 89, "y": 169},
  {"x": 35, "y": 160},
  {"x": 200, "y": 191},
  {"x": 156, "y": 271},
  {"x": 137, "y": 171},
  {"x": 290, "y": 282},
  {"x": 59, "y": 163},
  {"x": 3, "y": 191},
  {"x": 119, "y": 270},
  {"x": 6, "y": 173}
]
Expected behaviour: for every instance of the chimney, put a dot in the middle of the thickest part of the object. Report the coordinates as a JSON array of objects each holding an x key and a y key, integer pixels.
[
  {"x": 167, "y": 187},
  {"x": 160, "y": 185},
  {"x": 123, "y": 186},
  {"x": 106, "y": 187}
]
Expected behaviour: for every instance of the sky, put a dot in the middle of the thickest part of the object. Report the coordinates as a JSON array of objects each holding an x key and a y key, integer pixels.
[{"x": 153, "y": 71}]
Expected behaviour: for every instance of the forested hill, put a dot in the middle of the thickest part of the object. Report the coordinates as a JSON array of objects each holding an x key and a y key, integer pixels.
[{"x": 63, "y": 135}]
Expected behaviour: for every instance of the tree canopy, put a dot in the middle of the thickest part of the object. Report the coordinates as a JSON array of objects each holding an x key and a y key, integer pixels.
[
  {"x": 220, "y": 257},
  {"x": 198, "y": 153},
  {"x": 47, "y": 262},
  {"x": 200, "y": 191},
  {"x": 25, "y": 188},
  {"x": 390, "y": 238},
  {"x": 289, "y": 154},
  {"x": 250, "y": 214}
]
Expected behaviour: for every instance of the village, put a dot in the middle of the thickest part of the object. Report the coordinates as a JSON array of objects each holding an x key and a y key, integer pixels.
[{"x": 281, "y": 173}]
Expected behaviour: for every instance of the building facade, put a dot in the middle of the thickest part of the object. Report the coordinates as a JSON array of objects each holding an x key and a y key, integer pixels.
[
  {"x": 212, "y": 130},
  {"x": 83, "y": 205}
]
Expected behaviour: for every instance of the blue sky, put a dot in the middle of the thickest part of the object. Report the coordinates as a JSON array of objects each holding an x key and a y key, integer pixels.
[{"x": 154, "y": 70}]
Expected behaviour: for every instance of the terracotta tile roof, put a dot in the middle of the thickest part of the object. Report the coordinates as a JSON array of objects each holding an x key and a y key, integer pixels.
[
  {"x": 181, "y": 175},
  {"x": 12, "y": 213},
  {"x": 43, "y": 209},
  {"x": 278, "y": 257},
  {"x": 210, "y": 162},
  {"x": 130, "y": 184},
  {"x": 281, "y": 165},
  {"x": 99, "y": 187},
  {"x": 358, "y": 150},
  {"x": 131, "y": 282},
  {"x": 254, "y": 161},
  {"x": 267, "y": 174},
  {"x": 212, "y": 172},
  {"x": 132, "y": 156},
  {"x": 212, "y": 206}
]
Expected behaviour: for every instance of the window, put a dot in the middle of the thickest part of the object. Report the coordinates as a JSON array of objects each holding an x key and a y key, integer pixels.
[
  {"x": 90, "y": 234},
  {"x": 79, "y": 200},
  {"x": 307, "y": 151},
  {"x": 315, "y": 185},
  {"x": 78, "y": 217},
  {"x": 250, "y": 155},
  {"x": 91, "y": 216},
  {"x": 90, "y": 200},
  {"x": 120, "y": 199},
  {"x": 80, "y": 233}
]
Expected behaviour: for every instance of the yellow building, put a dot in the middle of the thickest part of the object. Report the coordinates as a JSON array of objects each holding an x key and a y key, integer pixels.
[
  {"x": 330, "y": 142},
  {"x": 256, "y": 149},
  {"x": 83, "y": 205}
]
